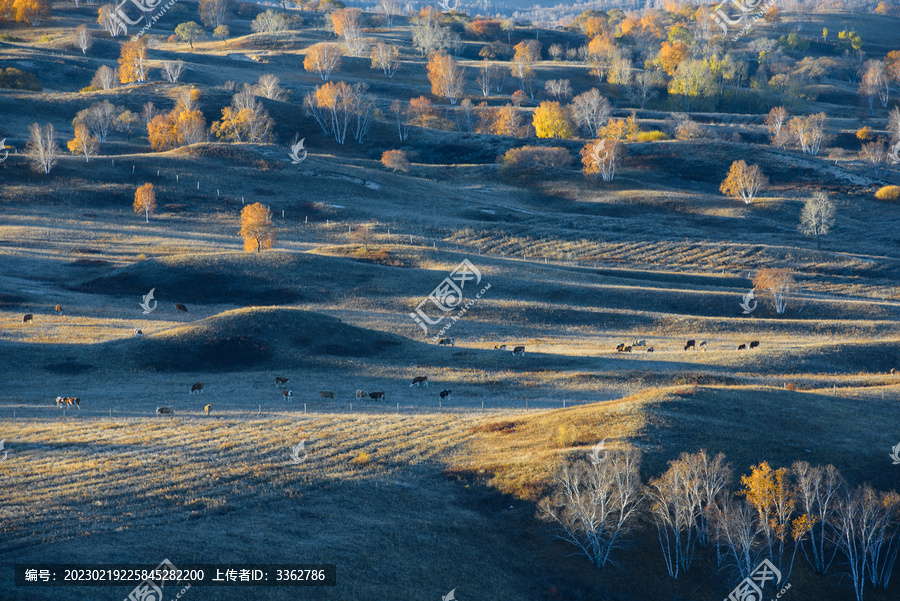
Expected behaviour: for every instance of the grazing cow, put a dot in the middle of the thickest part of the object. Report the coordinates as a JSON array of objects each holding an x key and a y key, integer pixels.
[
  {"x": 742, "y": 347},
  {"x": 197, "y": 387},
  {"x": 75, "y": 401},
  {"x": 58, "y": 309},
  {"x": 280, "y": 381},
  {"x": 68, "y": 401},
  {"x": 754, "y": 344},
  {"x": 376, "y": 395},
  {"x": 419, "y": 380},
  {"x": 287, "y": 394},
  {"x": 690, "y": 344},
  {"x": 60, "y": 401},
  {"x": 208, "y": 408},
  {"x": 639, "y": 343},
  {"x": 180, "y": 308},
  {"x": 445, "y": 394},
  {"x": 501, "y": 347},
  {"x": 892, "y": 371},
  {"x": 627, "y": 349},
  {"x": 519, "y": 351},
  {"x": 165, "y": 411},
  {"x": 28, "y": 318},
  {"x": 326, "y": 394},
  {"x": 446, "y": 342},
  {"x": 138, "y": 332},
  {"x": 649, "y": 349},
  {"x": 703, "y": 345},
  {"x": 620, "y": 347},
  {"x": 360, "y": 395}
]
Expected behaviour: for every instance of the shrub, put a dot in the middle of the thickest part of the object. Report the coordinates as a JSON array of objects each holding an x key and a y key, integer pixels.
[
  {"x": 888, "y": 193},
  {"x": 566, "y": 436},
  {"x": 89, "y": 89},
  {"x": 865, "y": 133},
  {"x": 652, "y": 136},
  {"x": 527, "y": 160},
  {"x": 14, "y": 79},
  {"x": 362, "y": 459},
  {"x": 396, "y": 160},
  {"x": 790, "y": 386}
]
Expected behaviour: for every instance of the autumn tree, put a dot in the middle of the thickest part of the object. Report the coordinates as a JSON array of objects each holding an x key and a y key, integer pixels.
[
  {"x": 270, "y": 23},
  {"x": 874, "y": 153},
  {"x": 818, "y": 494},
  {"x": 33, "y": 12},
  {"x": 84, "y": 38},
  {"x": 347, "y": 24},
  {"x": 215, "y": 13},
  {"x": 173, "y": 70},
  {"x": 810, "y": 132},
  {"x": 161, "y": 132},
  {"x": 335, "y": 106},
  {"x": 817, "y": 216},
  {"x": 526, "y": 55},
  {"x": 109, "y": 20},
  {"x": 395, "y": 160},
  {"x": 257, "y": 228},
  {"x": 133, "y": 62},
  {"x": 777, "y": 283},
  {"x": 83, "y": 143},
  {"x": 551, "y": 120},
  {"x": 429, "y": 34},
  {"x": 595, "y": 504},
  {"x": 269, "y": 86},
  {"x": 591, "y": 110},
  {"x": 323, "y": 59},
  {"x": 245, "y": 120},
  {"x": 385, "y": 57},
  {"x": 875, "y": 83},
  {"x": 98, "y": 118},
  {"x": 559, "y": 88},
  {"x": 506, "y": 121},
  {"x": 743, "y": 181},
  {"x": 642, "y": 87},
  {"x": 776, "y": 121},
  {"x": 41, "y": 147},
  {"x": 221, "y": 32},
  {"x": 401, "y": 116},
  {"x": 771, "y": 493},
  {"x": 189, "y": 31},
  {"x": 445, "y": 75},
  {"x": 127, "y": 122},
  {"x": 693, "y": 83},
  {"x": 106, "y": 78},
  {"x": 145, "y": 200},
  {"x": 672, "y": 55},
  {"x": 601, "y": 157}
]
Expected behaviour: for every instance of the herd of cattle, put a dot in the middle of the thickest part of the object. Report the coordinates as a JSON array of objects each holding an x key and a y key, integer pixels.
[{"x": 690, "y": 344}]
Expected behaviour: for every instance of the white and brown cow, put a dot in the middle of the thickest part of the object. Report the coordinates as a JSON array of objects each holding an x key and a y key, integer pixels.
[
  {"x": 288, "y": 395},
  {"x": 519, "y": 351}
]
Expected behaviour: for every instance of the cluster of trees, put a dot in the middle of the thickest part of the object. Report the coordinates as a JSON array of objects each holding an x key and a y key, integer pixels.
[
  {"x": 777, "y": 514},
  {"x": 33, "y": 12},
  {"x": 808, "y": 133},
  {"x": 339, "y": 107}
]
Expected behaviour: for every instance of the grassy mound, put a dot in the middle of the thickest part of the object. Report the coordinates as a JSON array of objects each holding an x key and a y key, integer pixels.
[
  {"x": 256, "y": 338},
  {"x": 747, "y": 424}
]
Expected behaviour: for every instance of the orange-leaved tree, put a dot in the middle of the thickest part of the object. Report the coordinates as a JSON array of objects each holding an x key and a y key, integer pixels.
[
  {"x": 778, "y": 283},
  {"x": 133, "y": 66},
  {"x": 257, "y": 229},
  {"x": 145, "y": 200},
  {"x": 396, "y": 160},
  {"x": 445, "y": 75},
  {"x": 743, "y": 181},
  {"x": 83, "y": 142}
]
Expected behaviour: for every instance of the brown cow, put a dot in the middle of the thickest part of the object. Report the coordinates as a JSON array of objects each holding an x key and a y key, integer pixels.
[
  {"x": 326, "y": 394},
  {"x": 501, "y": 347},
  {"x": 208, "y": 408},
  {"x": 180, "y": 308},
  {"x": 197, "y": 387},
  {"x": 280, "y": 381},
  {"x": 690, "y": 344},
  {"x": 28, "y": 318},
  {"x": 58, "y": 309},
  {"x": 620, "y": 347},
  {"x": 627, "y": 349},
  {"x": 376, "y": 395},
  {"x": 60, "y": 401},
  {"x": 288, "y": 395},
  {"x": 519, "y": 351},
  {"x": 165, "y": 411},
  {"x": 419, "y": 380}
]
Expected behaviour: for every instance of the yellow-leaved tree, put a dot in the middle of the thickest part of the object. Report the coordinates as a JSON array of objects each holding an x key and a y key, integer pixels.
[
  {"x": 133, "y": 65},
  {"x": 257, "y": 229},
  {"x": 145, "y": 200},
  {"x": 551, "y": 120},
  {"x": 83, "y": 143}
]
